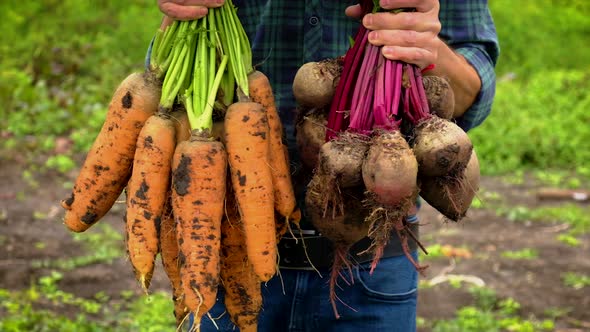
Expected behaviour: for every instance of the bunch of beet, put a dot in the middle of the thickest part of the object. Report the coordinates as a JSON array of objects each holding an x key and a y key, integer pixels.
[{"x": 384, "y": 137}]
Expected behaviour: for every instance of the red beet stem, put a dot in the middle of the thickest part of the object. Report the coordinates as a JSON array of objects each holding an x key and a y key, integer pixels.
[{"x": 343, "y": 95}]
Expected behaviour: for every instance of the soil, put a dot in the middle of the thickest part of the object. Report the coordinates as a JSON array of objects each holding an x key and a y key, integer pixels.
[{"x": 32, "y": 215}]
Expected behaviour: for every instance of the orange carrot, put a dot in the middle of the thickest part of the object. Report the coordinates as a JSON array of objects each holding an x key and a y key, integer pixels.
[
  {"x": 107, "y": 167},
  {"x": 246, "y": 140},
  {"x": 169, "y": 254},
  {"x": 198, "y": 192},
  {"x": 243, "y": 298},
  {"x": 261, "y": 92},
  {"x": 147, "y": 191}
]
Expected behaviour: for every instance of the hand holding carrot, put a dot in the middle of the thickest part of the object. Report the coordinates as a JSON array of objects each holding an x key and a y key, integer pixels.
[
  {"x": 185, "y": 10},
  {"x": 407, "y": 36}
]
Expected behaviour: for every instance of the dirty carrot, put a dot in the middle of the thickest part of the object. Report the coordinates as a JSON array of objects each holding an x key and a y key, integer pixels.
[
  {"x": 107, "y": 167},
  {"x": 243, "y": 299},
  {"x": 198, "y": 193},
  {"x": 247, "y": 143},
  {"x": 261, "y": 92},
  {"x": 169, "y": 255},
  {"x": 147, "y": 191}
]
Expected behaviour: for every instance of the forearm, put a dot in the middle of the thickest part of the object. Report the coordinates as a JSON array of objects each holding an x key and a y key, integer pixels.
[{"x": 463, "y": 78}]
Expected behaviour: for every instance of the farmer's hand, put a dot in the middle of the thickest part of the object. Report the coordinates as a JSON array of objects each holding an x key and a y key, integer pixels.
[
  {"x": 185, "y": 10},
  {"x": 407, "y": 36}
]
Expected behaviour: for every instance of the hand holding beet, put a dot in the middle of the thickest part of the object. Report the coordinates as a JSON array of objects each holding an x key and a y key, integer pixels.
[{"x": 408, "y": 36}]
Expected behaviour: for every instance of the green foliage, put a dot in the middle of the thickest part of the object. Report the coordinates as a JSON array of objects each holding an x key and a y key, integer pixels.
[
  {"x": 577, "y": 217},
  {"x": 490, "y": 314},
  {"x": 527, "y": 253},
  {"x": 569, "y": 240},
  {"x": 101, "y": 244},
  {"x": 61, "y": 60},
  {"x": 576, "y": 280},
  {"x": 30, "y": 310},
  {"x": 537, "y": 124},
  {"x": 541, "y": 35}
]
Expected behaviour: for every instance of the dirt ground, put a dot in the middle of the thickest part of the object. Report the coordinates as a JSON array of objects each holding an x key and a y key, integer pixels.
[{"x": 536, "y": 284}]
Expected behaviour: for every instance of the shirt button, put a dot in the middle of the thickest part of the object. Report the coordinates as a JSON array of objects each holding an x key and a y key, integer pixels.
[{"x": 314, "y": 20}]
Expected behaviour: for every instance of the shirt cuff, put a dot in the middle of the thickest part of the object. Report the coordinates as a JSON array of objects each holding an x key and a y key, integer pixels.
[
  {"x": 482, "y": 106},
  {"x": 148, "y": 55}
]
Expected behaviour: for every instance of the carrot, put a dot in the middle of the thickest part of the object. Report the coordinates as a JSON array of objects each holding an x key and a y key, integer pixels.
[
  {"x": 107, "y": 167},
  {"x": 147, "y": 192},
  {"x": 181, "y": 124},
  {"x": 243, "y": 298},
  {"x": 261, "y": 92},
  {"x": 198, "y": 191},
  {"x": 169, "y": 255},
  {"x": 246, "y": 139}
]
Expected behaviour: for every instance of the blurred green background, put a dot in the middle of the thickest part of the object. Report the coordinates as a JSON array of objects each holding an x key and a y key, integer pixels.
[{"x": 60, "y": 61}]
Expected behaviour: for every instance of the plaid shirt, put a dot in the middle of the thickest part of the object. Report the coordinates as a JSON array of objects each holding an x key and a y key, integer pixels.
[{"x": 286, "y": 34}]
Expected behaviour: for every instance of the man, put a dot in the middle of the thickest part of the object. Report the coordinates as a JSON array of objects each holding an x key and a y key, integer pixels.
[{"x": 455, "y": 39}]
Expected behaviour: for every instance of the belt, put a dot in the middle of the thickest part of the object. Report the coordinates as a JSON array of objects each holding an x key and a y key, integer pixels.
[{"x": 320, "y": 251}]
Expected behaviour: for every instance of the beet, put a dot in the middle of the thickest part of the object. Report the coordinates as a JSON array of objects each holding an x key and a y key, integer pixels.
[
  {"x": 315, "y": 82},
  {"x": 390, "y": 169},
  {"x": 310, "y": 136},
  {"x": 343, "y": 230},
  {"x": 440, "y": 96},
  {"x": 440, "y": 147},
  {"x": 342, "y": 158},
  {"x": 452, "y": 194}
]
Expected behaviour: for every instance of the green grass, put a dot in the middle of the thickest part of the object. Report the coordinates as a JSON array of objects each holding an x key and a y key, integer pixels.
[
  {"x": 577, "y": 217},
  {"x": 576, "y": 280},
  {"x": 101, "y": 244},
  {"x": 524, "y": 254},
  {"x": 491, "y": 314},
  {"x": 31, "y": 310},
  {"x": 539, "y": 118}
]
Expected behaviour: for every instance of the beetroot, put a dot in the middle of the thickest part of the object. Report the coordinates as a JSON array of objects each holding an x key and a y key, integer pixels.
[
  {"x": 390, "y": 169},
  {"x": 310, "y": 133},
  {"x": 452, "y": 194},
  {"x": 315, "y": 82},
  {"x": 440, "y": 95},
  {"x": 343, "y": 231},
  {"x": 440, "y": 147}
]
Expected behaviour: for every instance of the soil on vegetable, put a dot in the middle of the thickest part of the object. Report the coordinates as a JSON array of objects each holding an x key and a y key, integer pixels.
[{"x": 31, "y": 230}]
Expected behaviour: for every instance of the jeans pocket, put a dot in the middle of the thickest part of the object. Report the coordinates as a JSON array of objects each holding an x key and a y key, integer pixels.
[{"x": 394, "y": 280}]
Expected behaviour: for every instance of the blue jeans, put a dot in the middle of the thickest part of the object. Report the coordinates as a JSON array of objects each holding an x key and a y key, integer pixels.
[{"x": 383, "y": 301}]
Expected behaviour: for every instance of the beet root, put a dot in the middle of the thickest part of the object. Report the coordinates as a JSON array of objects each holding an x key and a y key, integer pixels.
[
  {"x": 452, "y": 194},
  {"x": 310, "y": 136},
  {"x": 390, "y": 169},
  {"x": 441, "y": 147},
  {"x": 315, "y": 82},
  {"x": 343, "y": 231},
  {"x": 343, "y": 158},
  {"x": 339, "y": 167},
  {"x": 440, "y": 95}
]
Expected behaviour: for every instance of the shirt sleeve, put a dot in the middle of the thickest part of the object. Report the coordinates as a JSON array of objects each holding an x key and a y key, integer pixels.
[{"x": 468, "y": 28}]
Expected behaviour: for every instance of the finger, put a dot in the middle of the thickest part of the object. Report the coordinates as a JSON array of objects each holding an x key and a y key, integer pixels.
[
  {"x": 183, "y": 13},
  {"x": 420, "y": 5},
  {"x": 353, "y": 11},
  {"x": 415, "y": 55},
  {"x": 405, "y": 38},
  {"x": 166, "y": 21},
  {"x": 420, "y": 22},
  {"x": 204, "y": 3}
]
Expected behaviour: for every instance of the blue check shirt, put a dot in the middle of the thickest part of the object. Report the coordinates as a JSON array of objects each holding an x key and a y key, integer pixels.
[{"x": 286, "y": 34}]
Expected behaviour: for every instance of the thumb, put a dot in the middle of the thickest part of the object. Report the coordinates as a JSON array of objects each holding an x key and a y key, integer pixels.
[{"x": 354, "y": 11}]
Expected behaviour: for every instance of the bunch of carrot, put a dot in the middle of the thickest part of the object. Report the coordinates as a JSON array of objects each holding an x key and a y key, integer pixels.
[{"x": 196, "y": 142}]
